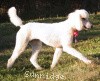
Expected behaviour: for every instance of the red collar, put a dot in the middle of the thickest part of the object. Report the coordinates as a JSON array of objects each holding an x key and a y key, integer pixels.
[{"x": 76, "y": 33}]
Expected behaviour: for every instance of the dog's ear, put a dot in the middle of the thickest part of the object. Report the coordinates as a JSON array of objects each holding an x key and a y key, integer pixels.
[{"x": 76, "y": 21}]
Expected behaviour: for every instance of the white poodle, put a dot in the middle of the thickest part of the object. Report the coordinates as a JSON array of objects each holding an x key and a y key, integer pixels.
[{"x": 58, "y": 35}]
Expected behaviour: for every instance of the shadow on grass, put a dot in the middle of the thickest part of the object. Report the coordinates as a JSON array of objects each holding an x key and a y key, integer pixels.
[
  {"x": 96, "y": 58},
  {"x": 3, "y": 60},
  {"x": 23, "y": 62},
  {"x": 7, "y": 35},
  {"x": 89, "y": 34},
  {"x": 45, "y": 59}
]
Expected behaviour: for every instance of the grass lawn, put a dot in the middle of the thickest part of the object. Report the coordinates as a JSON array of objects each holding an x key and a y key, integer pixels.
[{"x": 68, "y": 68}]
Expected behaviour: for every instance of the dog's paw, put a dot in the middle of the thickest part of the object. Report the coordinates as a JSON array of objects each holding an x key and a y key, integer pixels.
[
  {"x": 88, "y": 61},
  {"x": 9, "y": 64},
  {"x": 39, "y": 68},
  {"x": 52, "y": 67}
]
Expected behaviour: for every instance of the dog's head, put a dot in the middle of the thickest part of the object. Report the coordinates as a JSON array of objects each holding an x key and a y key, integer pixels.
[{"x": 79, "y": 20}]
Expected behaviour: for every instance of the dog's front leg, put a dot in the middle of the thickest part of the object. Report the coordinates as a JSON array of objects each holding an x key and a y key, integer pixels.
[
  {"x": 56, "y": 57},
  {"x": 75, "y": 53}
]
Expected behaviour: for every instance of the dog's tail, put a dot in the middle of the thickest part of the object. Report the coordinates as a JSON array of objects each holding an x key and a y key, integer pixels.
[{"x": 13, "y": 17}]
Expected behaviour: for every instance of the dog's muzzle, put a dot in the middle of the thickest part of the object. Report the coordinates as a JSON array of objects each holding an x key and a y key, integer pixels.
[
  {"x": 86, "y": 28},
  {"x": 88, "y": 25}
]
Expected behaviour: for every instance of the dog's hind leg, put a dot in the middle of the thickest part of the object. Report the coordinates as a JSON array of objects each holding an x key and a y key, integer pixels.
[
  {"x": 36, "y": 46},
  {"x": 56, "y": 57},
  {"x": 21, "y": 43}
]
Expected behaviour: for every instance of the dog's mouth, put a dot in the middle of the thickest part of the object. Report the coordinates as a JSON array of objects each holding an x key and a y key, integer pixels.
[{"x": 85, "y": 28}]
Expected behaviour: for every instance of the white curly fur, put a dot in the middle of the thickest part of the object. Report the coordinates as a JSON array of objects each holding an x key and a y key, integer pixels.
[
  {"x": 13, "y": 17},
  {"x": 58, "y": 35}
]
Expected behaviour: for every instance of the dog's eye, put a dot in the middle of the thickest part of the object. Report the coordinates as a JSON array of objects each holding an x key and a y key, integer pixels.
[{"x": 83, "y": 19}]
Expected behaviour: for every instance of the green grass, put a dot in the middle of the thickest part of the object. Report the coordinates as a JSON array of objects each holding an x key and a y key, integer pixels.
[{"x": 68, "y": 68}]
